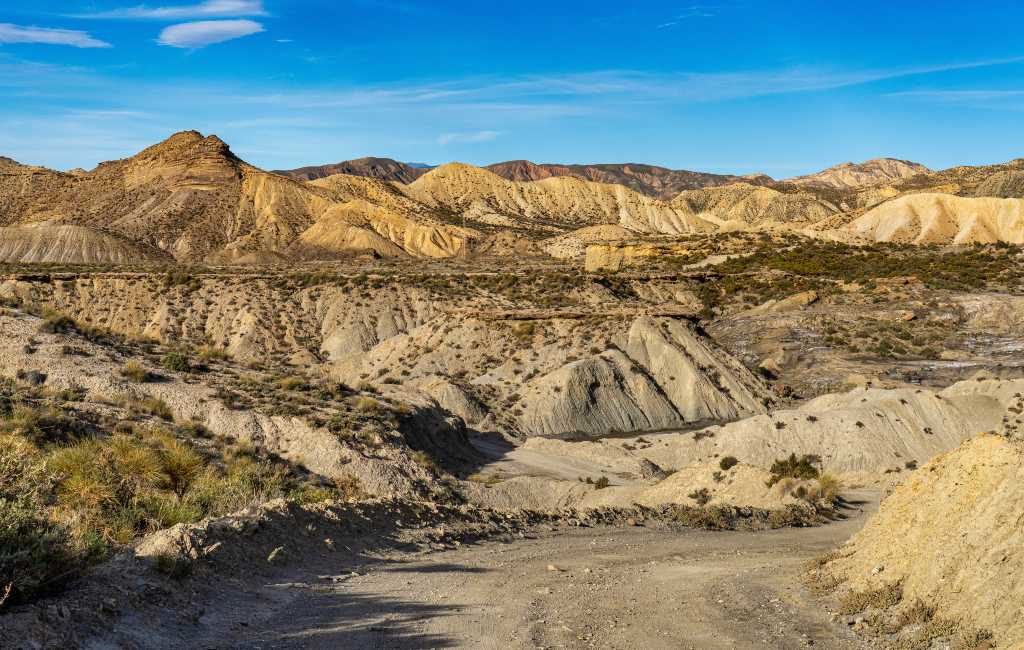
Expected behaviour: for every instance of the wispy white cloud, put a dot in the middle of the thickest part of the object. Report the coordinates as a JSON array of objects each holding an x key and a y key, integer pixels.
[
  {"x": 474, "y": 137},
  {"x": 208, "y": 9},
  {"x": 49, "y": 36},
  {"x": 207, "y": 32},
  {"x": 694, "y": 11},
  {"x": 373, "y": 117},
  {"x": 991, "y": 99},
  {"x": 114, "y": 114},
  {"x": 575, "y": 93},
  {"x": 960, "y": 95}
]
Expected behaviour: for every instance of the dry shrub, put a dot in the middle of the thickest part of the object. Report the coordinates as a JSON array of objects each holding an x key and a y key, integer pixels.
[
  {"x": 884, "y": 597},
  {"x": 134, "y": 371},
  {"x": 829, "y": 487}
]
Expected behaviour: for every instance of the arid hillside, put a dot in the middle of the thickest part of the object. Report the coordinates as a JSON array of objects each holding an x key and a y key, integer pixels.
[
  {"x": 248, "y": 427},
  {"x": 189, "y": 199},
  {"x": 193, "y": 199}
]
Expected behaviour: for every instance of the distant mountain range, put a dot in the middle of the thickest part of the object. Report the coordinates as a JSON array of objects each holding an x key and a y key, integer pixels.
[
  {"x": 651, "y": 180},
  {"x": 190, "y": 199},
  {"x": 658, "y": 182}
]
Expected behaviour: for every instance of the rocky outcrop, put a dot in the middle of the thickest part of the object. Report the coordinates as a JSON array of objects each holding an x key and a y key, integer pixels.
[
  {"x": 663, "y": 375},
  {"x": 1006, "y": 184},
  {"x": 603, "y": 394},
  {"x": 866, "y": 431}
]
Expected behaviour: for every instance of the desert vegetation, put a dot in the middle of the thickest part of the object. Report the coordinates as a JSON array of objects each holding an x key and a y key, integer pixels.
[{"x": 77, "y": 484}]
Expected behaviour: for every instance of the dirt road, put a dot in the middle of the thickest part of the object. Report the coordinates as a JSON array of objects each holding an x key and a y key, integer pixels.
[{"x": 605, "y": 588}]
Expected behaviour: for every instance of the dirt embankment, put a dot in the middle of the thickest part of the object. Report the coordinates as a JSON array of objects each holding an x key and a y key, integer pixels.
[{"x": 942, "y": 558}]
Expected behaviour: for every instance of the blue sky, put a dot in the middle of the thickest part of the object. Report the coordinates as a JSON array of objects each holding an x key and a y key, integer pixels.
[{"x": 783, "y": 87}]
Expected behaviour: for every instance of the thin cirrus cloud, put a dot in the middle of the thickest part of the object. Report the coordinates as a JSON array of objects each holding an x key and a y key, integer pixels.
[
  {"x": 208, "y": 9},
  {"x": 695, "y": 11},
  {"x": 199, "y": 34},
  {"x": 474, "y": 137},
  {"x": 49, "y": 36},
  {"x": 974, "y": 97},
  {"x": 571, "y": 94}
]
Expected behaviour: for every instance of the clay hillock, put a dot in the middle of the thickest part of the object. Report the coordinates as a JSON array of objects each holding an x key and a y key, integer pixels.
[{"x": 930, "y": 218}]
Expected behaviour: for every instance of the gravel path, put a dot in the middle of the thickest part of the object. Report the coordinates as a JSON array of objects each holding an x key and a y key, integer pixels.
[{"x": 605, "y": 588}]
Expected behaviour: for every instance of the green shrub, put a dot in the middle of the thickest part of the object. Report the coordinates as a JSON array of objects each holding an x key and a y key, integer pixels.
[
  {"x": 210, "y": 353},
  {"x": 66, "y": 503},
  {"x": 156, "y": 407},
  {"x": 176, "y": 361},
  {"x": 35, "y": 552},
  {"x": 728, "y": 462},
  {"x": 803, "y": 468},
  {"x": 55, "y": 322}
]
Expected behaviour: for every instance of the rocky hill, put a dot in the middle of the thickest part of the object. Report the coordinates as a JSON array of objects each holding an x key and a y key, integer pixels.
[
  {"x": 741, "y": 204},
  {"x": 384, "y": 169},
  {"x": 43, "y": 243},
  {"x": 1000, "y": 181},
  {"x": 552, "y": 205},
  {"x": 658, "y": 182},
  {"x": 190, "y": 199},
  {"x": 189, "y": 196},
  {"x": 857, "y": 175},
  {"x": 193, "y": 199}
]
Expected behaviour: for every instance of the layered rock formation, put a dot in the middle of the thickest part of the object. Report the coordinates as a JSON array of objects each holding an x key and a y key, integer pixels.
[
  {"x": 662, "y": 375},
  {"x": 191, "y": 197}
]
